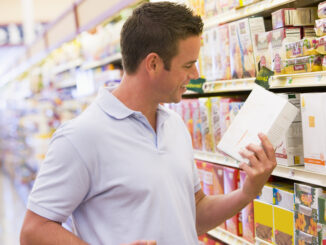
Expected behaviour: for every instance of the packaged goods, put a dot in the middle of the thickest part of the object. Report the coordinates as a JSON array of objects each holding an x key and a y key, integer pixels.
[
  {"x": 267, "y": 194},
  {"x": 222, "y": 57},
  {"x": 322, "y": 10},
  {"x": 282, "y": 18},
  {"x": 322, "y": 209},
  {"x": 303, "y": 64},
  {"x": 208, "y": 55},
  {"x": 321, "y": 45},
  {"x": 306, "y": 219},
  {"x": 248, "y": 224},
  {"x": 201, "y": 172},
  {"x": 308, "y": 31},
  {"x": 313, "y": 128},
  {"x": 304, "y": 47},
  {"x": 324, "y": 63},
  {"x": 234, "y": 109},
  {"x": 188, "y": 118},
  {"x": 320, "y": 27},
  {"x": 290, "y": 151},
  {"x": 262, "y": 50},
  {"x": 208, "y": 178},
  {"x": 264, "y": 224},
  {"x": 283, "y": 226},
  {"x": 231, "y": 177},
  {"x": 306, "y": 195},
  {"x": 283, "y": 195},
  {"x": 225, "y": 5},
  {"x": 215, "y": 111},
  {"x": 279, "y": 38},
  {"x": 304, "y": 238},
  {"x": 197, "y": 130},
  {"x": 218, "y": 183},
  {"x": 294, "y": 17},
  {"x": 243, "y": 3},
  {"x": 210, "y": 8},
  {"x": 206, "y": 124}
]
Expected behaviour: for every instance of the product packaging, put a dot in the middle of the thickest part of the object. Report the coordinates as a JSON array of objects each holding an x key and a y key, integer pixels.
[
  {"x": 294, "y": 17},
  {"x": 197, "y": 131},
  {"x": 321, "y": 45},
  {"x": 282, "y": 18},
  {"x": 304, "y": 238},
  {"x": 283, "y": 195},
  {"x": 324, "y": 63},
  {"x": 308, "y": 31},
  {"x": 313, "y": 129},
  {"x": 306, "y": 195},
  {"x": 208, "y": 51},
  {"x": 322, "y": 209},
  {"x": 201, "y": 172},
  {"x": 283, "y": 226},
  {"x": 264, "y": 220},
  {"x": 320, "y": 27},
  {"x": 218, "y": 183},
  {"x": 206, "y": 124},
  {"x": 188, "y": 118},
  {"x": 290, "y": 151},
  {"x": 222, "y": 57},
  {"x": 322, "y": 10},
  {"x": 210, "y": 8},
  {"x": 304, "y": 47},
  {"x": 207, "y": 178},
  {"x": 216, "y": 125},
  {"x": 262, "y": 52},
  {"x": 306, "y": 219},
  {"x": 303, "y": 64},
  {"x": 267, "y": 193}
]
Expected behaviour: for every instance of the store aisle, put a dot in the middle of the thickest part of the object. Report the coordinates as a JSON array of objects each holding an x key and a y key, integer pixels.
[{"x": 12, "y": 211}]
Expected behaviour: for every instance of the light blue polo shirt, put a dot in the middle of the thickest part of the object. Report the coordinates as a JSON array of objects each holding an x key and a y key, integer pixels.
[{"x": 119, "y": 179}]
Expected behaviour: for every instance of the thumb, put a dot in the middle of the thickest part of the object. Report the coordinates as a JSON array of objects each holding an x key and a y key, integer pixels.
[{"x": 245, "y": 167}]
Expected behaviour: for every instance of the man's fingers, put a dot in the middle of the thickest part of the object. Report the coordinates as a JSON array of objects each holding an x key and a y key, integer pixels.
[
  {"x": 267, "y": 145},
  {"x": 258, "y": 151},
  {"x": 245, "y": 167},
  {"x": 250, "y": 156}
]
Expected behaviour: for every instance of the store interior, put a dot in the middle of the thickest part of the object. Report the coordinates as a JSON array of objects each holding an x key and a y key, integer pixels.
[{"x": 55, "y": 56}]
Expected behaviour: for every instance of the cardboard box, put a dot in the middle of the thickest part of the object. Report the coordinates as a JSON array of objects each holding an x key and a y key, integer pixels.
[
  {"x": 221, "y": 58},
  {"x": 218, "y": 183},
  {"x": 279, "y": 38},
  {"x": 216, "y": 125},
  {"x": 264, "y": 220},
  {"x": 313, "y": 114},
  {"x": 231, "y": 179},
  {"x": 201, "y": 172},
  {"x": 188, "y": 118},
  {"x": 196, "y": 122},
  {"x": 294, "y": 17},
  {"x": 283, "y": 195},
  {"x": 262, "y": 52},
  {"x": 282, "y": 18},
  {"x": 267, "y": 194},
  {"x": 290, "y": 151},
  {"x": 307, "y": 195},
  {"x": 322, "y": 209},
  {"x": 283, "y": 226},
  {"x": 248, "y": 223},
  {"x": 306, "y": 219},
  {"x": 208, "y": 54}
]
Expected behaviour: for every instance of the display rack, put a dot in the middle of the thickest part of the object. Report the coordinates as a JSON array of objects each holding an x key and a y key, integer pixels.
[
  {"x": 261, "y": 242},
  {"x": 245, "y": 84},
  {"x": 298, "y": 173},
  {"x": 228, "y": 237},
  {"x": 68, "y": 66},
  {"x": 97, "y": 63}
]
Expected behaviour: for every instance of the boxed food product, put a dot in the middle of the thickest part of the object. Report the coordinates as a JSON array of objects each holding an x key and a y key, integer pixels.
[
  {"x": 206, "y": 124},
  {"x": 208, "y": 178},
  {"x": 222, "y": 57},
  {"x": 294, "y": 17},
  {"x": 224, "y": 114},
  {"x": 313, "y": 129},
  {"x": 308, "y": 31},
  {"x": 307, "y": 195},
  {"x": 215, "y": 112},
  {"x": 218, "y": 183},
  {"x": 234, "y": 109},
  {"x": 283, "y": 194},
  {"x": 248, "y": 225},
  {"x": 290, "y": 151},
  {"x": 188, "y": 118},
  {"x": 321, "y": 45},
  {"x": 208, "y": 54},
  {"x": 322, "y": 10},
  {"x": 283, "y": 226},
  {"x": 261, "y": 50},
  {"x": 267, "y": 193},
  {"x": 306, "y": 219},
  {"x": 279, "y": 38},
  {"x": 231, "y": 178},
  {"x": 324, "y": 63},
  {"x": 320, "y": 27},
  {"x": 197, "y": 131},
  {"x": 304, "y": 47},
  {"x": 225, "y": 5},
  {"x": 310, "y": 63},
  {"x": 201, "y": 172},
  {"x": 210, "y": 8},
  {"x": 282, "y": 18},
  {"x": 264, "y": 224},
  {"x": 304, "y": 238}
]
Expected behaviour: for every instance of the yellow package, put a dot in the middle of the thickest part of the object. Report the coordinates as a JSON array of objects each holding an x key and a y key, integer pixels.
[
  {"x": 304, "y": 47},
  {"x": 283, "y": 226},
  {"x": 320, "y": 27},
  {"x": 263, "y": 216},
  {"x": 321, "y": 45},
  {"x": 303, "y": 64}
]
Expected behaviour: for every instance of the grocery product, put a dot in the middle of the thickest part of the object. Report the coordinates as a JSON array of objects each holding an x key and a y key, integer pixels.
[
  {"x": 264, "y": 220},
  {"x": 306, "y": 195},
  {"x": 210, "y": 8},
  {"x": 304, "y": 47},
  {"x": 321, "y": 45},
  {"x": 304, "y": 238},
  {"x": 282, "y": 18},
  {"x": 320, "y": 27},
  {"x": 283, "y": 195},
  {"x": 206, "y": 124},
  {"x": 221, "y": 59},
  {"x": 294, "y": 17},
  {"x": 262, "y": 53},
  {"x": 196, "y": 121},
  {"x": 322, "y": 209},
  {"x": 201, "y": 172},
  {"x": 308, "y": 31},
  {"x": 267, "y": 194},
  {"x": 208, "y": 178},
  {"x": 303, "y": 64},
  {"x": 322, "y": 10},
  {"x": 324, "y": 63},
  {"x": 283, "y": 226},
  {"x": 218, "y": 183},
  {"x": 216, "y": 126},
  {"x": 208, "y": 54},
  {"x": 306, "y": 219}
]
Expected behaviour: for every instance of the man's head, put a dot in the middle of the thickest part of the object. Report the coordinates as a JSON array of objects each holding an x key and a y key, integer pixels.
[{"x": 156, "y": 28}]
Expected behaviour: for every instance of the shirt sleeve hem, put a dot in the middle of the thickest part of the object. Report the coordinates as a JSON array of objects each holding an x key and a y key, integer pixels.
[{"x": 45, "y": 212}]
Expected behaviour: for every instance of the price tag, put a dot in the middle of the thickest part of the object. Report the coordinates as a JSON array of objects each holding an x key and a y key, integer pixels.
[
  {"x": 289, "y": 80},
  {"x": 291, "y": 173},
  {"x": 318, "y": 78},
  {"x": 224, "y": 85}
]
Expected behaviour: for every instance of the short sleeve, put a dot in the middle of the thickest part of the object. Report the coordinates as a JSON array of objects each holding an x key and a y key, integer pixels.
[
  {"x": 197, "y": 186},
  {"x": 62, "y": 183}
]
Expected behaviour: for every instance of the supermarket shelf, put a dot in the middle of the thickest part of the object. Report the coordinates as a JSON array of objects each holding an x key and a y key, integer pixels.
[
  {"x": 228, "y": 237},
  {"x": 107, "y": 60},
  {"x": 247, "y": 11},
  {"x": 300, "y": 80},
  {"x": 66, "y": 67},
  {"x": 245, "y": 84},
  {"x": 261, "y": 242},
  {"x": 298, "y": 173}
]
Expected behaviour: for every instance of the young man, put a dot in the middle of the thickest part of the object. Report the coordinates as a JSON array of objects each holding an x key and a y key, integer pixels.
[{"x": 124, "y": 169}]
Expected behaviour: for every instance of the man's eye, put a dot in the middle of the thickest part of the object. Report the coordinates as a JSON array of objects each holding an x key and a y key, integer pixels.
[{"x": 188, "y": 66}]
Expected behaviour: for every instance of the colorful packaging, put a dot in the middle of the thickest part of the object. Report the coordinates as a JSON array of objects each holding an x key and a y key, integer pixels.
[
  {"x": 320, "y": 27},
  {"x": 290, "y": 151},
  {"x": 303, "y": 64},
  {"x": 306, "y": 219},
  {"x": 216, "y": 125},
  {"x": 264, "y": 220},
  {"x": 197, "y": 130},
  {"x": 210, "y": 8},
  {"x": 231, "y": 177},
  {"x": 208, "y": 178},
  {"x": 302, "y": 238},
  {"x": 261, "y": 50},
  {"x": 304, "y": 47},
  {"x": 307, "y": 195},
  {"x": 283, "y": 226},
  {"x": 248, "y": 223},
  {"x": 283, "y": 195},
  {"x": 279, "y": 38},
  {"x": 313, "y": 130},
  {"x": 206, "y": 124},
  {"x": 218, "y": 183},
  {"x": 322, "y": 10},
  {"x": 282, "y": 18},
  {"x": 294, "y": 17},
  {"x": 321, "y": 45},
  {"x": 188, "y": 118},
  {"x": 201, "y": 172},
  {"x": 208, "y": 54},
  {"x": 221, "y": 59},
  {"x": 267, "y": 194},
  {"x": 234, "y": 108}
]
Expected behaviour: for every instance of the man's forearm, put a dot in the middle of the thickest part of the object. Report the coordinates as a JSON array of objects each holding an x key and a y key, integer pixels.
[{"x": 214, "y": 210}]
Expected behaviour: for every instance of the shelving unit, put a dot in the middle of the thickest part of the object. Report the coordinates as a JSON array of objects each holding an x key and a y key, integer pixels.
[
  {"x": 66, "y": 67},
  {"x": 228, "y": 237},
  {"x": 97, "y": 63},
  {"x": 245, "y": 84}
]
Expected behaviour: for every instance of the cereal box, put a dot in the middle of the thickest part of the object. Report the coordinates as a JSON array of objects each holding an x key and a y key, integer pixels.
[
  {"x": 282, "y": 18},
  {"x": 262, "y": 51},
  {"x": 314, "y": 131},
  {"x": 231, "y": 176},
  {"x": 302, "y": 238},
  {"x": 267, "y": 193},
  {"x": 206, "y": 124},
  {"x": 322, "y": 209},
  {"x": 188, "y": 118},
  {"x": 264, "y": 220},
  {"x": 248, "y": 225},
  {"x": 283, "y": 226},
  {"x": 310, "y": 63},
  {"x": 210, "y": 8},
  {"x": 208, "y": 178},
  {"x": 218, "y": 183},
  {"x": 201, "y": 172},
  {"x": 207, "y": 54}
]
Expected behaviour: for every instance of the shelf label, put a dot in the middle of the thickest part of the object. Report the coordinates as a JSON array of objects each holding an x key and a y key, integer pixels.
[
  {"x": 318, "y": 78},
  {"x": 289, "y": 80},
  {"x": 291, "y": 173}
]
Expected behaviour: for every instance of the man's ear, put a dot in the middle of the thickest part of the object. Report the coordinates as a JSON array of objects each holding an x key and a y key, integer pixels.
[{"x": 153, "y": 63}]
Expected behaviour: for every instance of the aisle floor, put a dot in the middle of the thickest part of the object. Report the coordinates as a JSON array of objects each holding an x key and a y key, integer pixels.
[{"x": 12, "y": 211}]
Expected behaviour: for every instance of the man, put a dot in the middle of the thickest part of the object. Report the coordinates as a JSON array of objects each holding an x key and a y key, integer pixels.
[{"x": 124, "y": 168}]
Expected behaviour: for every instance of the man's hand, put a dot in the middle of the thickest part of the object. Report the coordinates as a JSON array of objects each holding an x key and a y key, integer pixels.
[
  {"x": 142, "y": 243},
  {"x": 262, "y": 163}
]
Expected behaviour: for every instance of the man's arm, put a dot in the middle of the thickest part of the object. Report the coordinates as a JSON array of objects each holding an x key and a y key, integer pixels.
[
  {"x": 211, "y": 211},
  {"x": 39, "y": 230}
]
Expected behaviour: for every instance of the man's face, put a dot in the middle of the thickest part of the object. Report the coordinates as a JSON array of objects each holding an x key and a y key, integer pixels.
[{"x": 172, "y": 83}]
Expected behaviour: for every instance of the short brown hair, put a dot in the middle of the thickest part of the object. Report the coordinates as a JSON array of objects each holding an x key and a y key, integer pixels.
[{"x": 156, "y": 27}]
